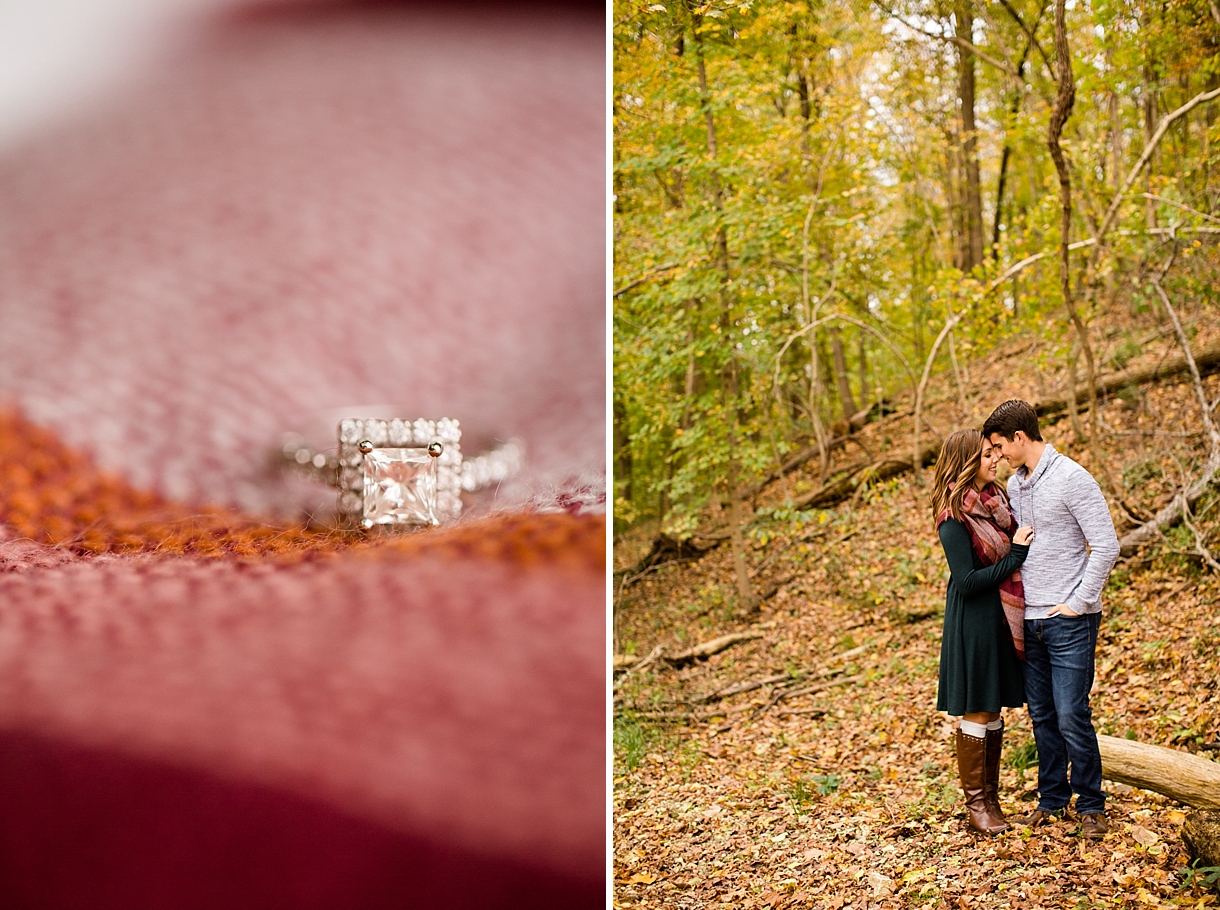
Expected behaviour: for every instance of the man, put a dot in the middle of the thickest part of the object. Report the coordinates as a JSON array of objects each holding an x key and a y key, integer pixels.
[{"x": 1063, "y": 579}]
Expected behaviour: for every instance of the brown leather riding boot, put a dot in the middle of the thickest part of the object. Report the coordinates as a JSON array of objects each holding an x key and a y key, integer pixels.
[
  {"x": 972, "y": 770},
  {"x": 995, "y": 744}
]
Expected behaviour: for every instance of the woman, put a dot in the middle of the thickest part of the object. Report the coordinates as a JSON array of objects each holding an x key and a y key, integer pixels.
[{"x": 983, "y": 642}]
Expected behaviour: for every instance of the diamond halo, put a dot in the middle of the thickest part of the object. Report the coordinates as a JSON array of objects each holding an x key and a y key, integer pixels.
[
  {"x": 399, "y": 474},
  {"x": 387, "y": 476}
]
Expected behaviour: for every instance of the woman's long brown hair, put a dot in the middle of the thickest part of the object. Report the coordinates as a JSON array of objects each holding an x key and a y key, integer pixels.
[{"x": 959, "y": 460}]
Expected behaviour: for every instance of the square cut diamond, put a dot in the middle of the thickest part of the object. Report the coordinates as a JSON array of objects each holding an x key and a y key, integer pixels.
[
  {"x": 400, "y": 487},
  {"x": 398, "y": 483}
]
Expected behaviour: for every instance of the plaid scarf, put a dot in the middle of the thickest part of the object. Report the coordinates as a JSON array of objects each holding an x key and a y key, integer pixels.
[{"x": 991, "y": 525}]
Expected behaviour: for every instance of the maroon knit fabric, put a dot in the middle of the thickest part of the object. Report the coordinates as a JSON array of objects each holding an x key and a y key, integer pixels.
[
  {"x": 90, "y": 828},
  {"x": 294, "y": 213},
  {"x": 434, "y": 705}
]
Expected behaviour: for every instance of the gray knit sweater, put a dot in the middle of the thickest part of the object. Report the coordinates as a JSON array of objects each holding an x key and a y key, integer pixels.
[{"x": 1065, "y": 507}]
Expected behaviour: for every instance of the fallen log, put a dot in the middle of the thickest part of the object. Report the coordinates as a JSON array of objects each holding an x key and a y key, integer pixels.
[
  {"x": 708, "y": 648},
  {"x": 633, "y": 663},
  {"x": 843, "y": 488},
  {"x": 1201, "y": 835},
  {"x": 1180, "y": 506},
  {"x": 796, "y": 461},
  {"x": 1167, "y": 517},
  {"x": 1187, "y": 778},
  {"x": 698, "y": 652},
  {"x": 820, "y": 687},
  {"x": 858, "y": 421},
  {"x": 739, "y": 688},
  {"x": 665, "y": 550},
  {"x": 1206, "y": 359}
]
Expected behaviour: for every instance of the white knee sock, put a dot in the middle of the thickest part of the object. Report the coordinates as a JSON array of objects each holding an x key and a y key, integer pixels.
[
  {"x": 997, "y": 724},
  {"x": 978, "y": 731}
]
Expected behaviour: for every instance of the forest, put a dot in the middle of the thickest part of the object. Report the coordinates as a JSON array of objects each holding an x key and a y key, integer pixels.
[{"x": 840, "y": 232}]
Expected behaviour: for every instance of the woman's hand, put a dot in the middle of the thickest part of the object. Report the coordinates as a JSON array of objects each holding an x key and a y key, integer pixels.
[{"x": 1023, "y": 536}]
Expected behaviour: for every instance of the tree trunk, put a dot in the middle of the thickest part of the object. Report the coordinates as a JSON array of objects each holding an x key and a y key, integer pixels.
[
  {"x": 1116, "y": 132},
  {"x": 622, "y": 447},
  {"x": 744, "y": 589},
  {"x": 1148, "y": 95},
  {"x": 865, "y": 392},
  {"x": 1005, "y": 154},
  {"x": 691, "y": 385},
  {"x": 972, "y": 241},
  {"x": 955, "y": 195},
  {"x": 730, "y": 387},
  {"x": 1201, "y": 834},
  {"x": 1014, "y": 108},
  {"x": 1064, "y": 101},
  {"x": 840, "y": 361}
]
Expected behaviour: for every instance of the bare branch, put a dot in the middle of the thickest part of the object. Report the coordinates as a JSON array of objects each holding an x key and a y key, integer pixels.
[
  {"x": 647, "y": 276},
  {"x": 1166, "y": 121},
  {"x": 923, "y": 384},
  {"x": 1030, "y": 33},
  {"x": 1208, "y": 424},
  {"x": 822, "y": 321},
  {"x": 954, "y": 40},
  {"x": 1019, "y": 266},
  {"x": 1176, "y": 205},
  {"x": 1178, "y": 508},
  {"x": 1200, "y": 544}
]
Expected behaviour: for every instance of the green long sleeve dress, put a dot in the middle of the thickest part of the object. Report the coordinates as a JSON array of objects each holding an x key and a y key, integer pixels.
[{"x": 979, "y": 667}]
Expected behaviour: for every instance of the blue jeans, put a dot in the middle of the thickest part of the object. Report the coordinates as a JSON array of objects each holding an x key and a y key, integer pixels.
[{"x": 1059, "y": 656}]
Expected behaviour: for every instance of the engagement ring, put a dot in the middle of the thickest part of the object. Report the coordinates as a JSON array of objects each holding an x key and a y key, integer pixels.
[{"x": 400, "y": 472}]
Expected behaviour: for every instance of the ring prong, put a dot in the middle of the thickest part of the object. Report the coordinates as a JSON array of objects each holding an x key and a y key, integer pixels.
[
  {"x": 435, "y": 450},
  {"x": 364, "y": 446}
]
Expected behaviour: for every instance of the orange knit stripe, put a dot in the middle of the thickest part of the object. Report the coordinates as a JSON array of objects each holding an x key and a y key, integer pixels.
[
  {"x": 56, "y": 496},
  {"x": 578, "y": 542}
]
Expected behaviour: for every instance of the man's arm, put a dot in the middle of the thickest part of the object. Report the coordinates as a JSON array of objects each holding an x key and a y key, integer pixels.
[{"x": 1088, "y": 506}]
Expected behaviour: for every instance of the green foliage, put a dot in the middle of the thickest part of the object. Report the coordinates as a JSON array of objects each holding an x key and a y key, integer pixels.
[
  {"x": 1195, "y": 875},
  {"x": 1022, "y": 756},
  {"x": 785, "y": 171},
  {"x": 632, "y": 740},
  {"x": 826, "y": 783},
  {"x": 800, "y": 793}
]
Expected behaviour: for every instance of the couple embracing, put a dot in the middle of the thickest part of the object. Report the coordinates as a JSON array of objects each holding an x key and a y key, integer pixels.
[{"x": 1022, "y": 612}]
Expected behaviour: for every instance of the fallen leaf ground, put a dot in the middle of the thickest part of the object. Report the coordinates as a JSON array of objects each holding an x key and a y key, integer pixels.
[{"x": 847, "y": 796}]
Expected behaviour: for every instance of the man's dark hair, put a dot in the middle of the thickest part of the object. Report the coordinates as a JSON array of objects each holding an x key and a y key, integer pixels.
[{"x": 1011, "y": 416}]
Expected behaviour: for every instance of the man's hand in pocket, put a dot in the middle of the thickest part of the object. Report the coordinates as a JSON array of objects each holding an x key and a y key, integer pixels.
[{"x": 1063, "y": 610}]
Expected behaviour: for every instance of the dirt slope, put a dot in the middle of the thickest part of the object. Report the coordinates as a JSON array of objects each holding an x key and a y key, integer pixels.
[{"x": 847, "y": 795}]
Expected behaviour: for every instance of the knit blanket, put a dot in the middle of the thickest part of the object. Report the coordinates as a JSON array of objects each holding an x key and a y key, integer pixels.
[{"x": 206, "y": 699}]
